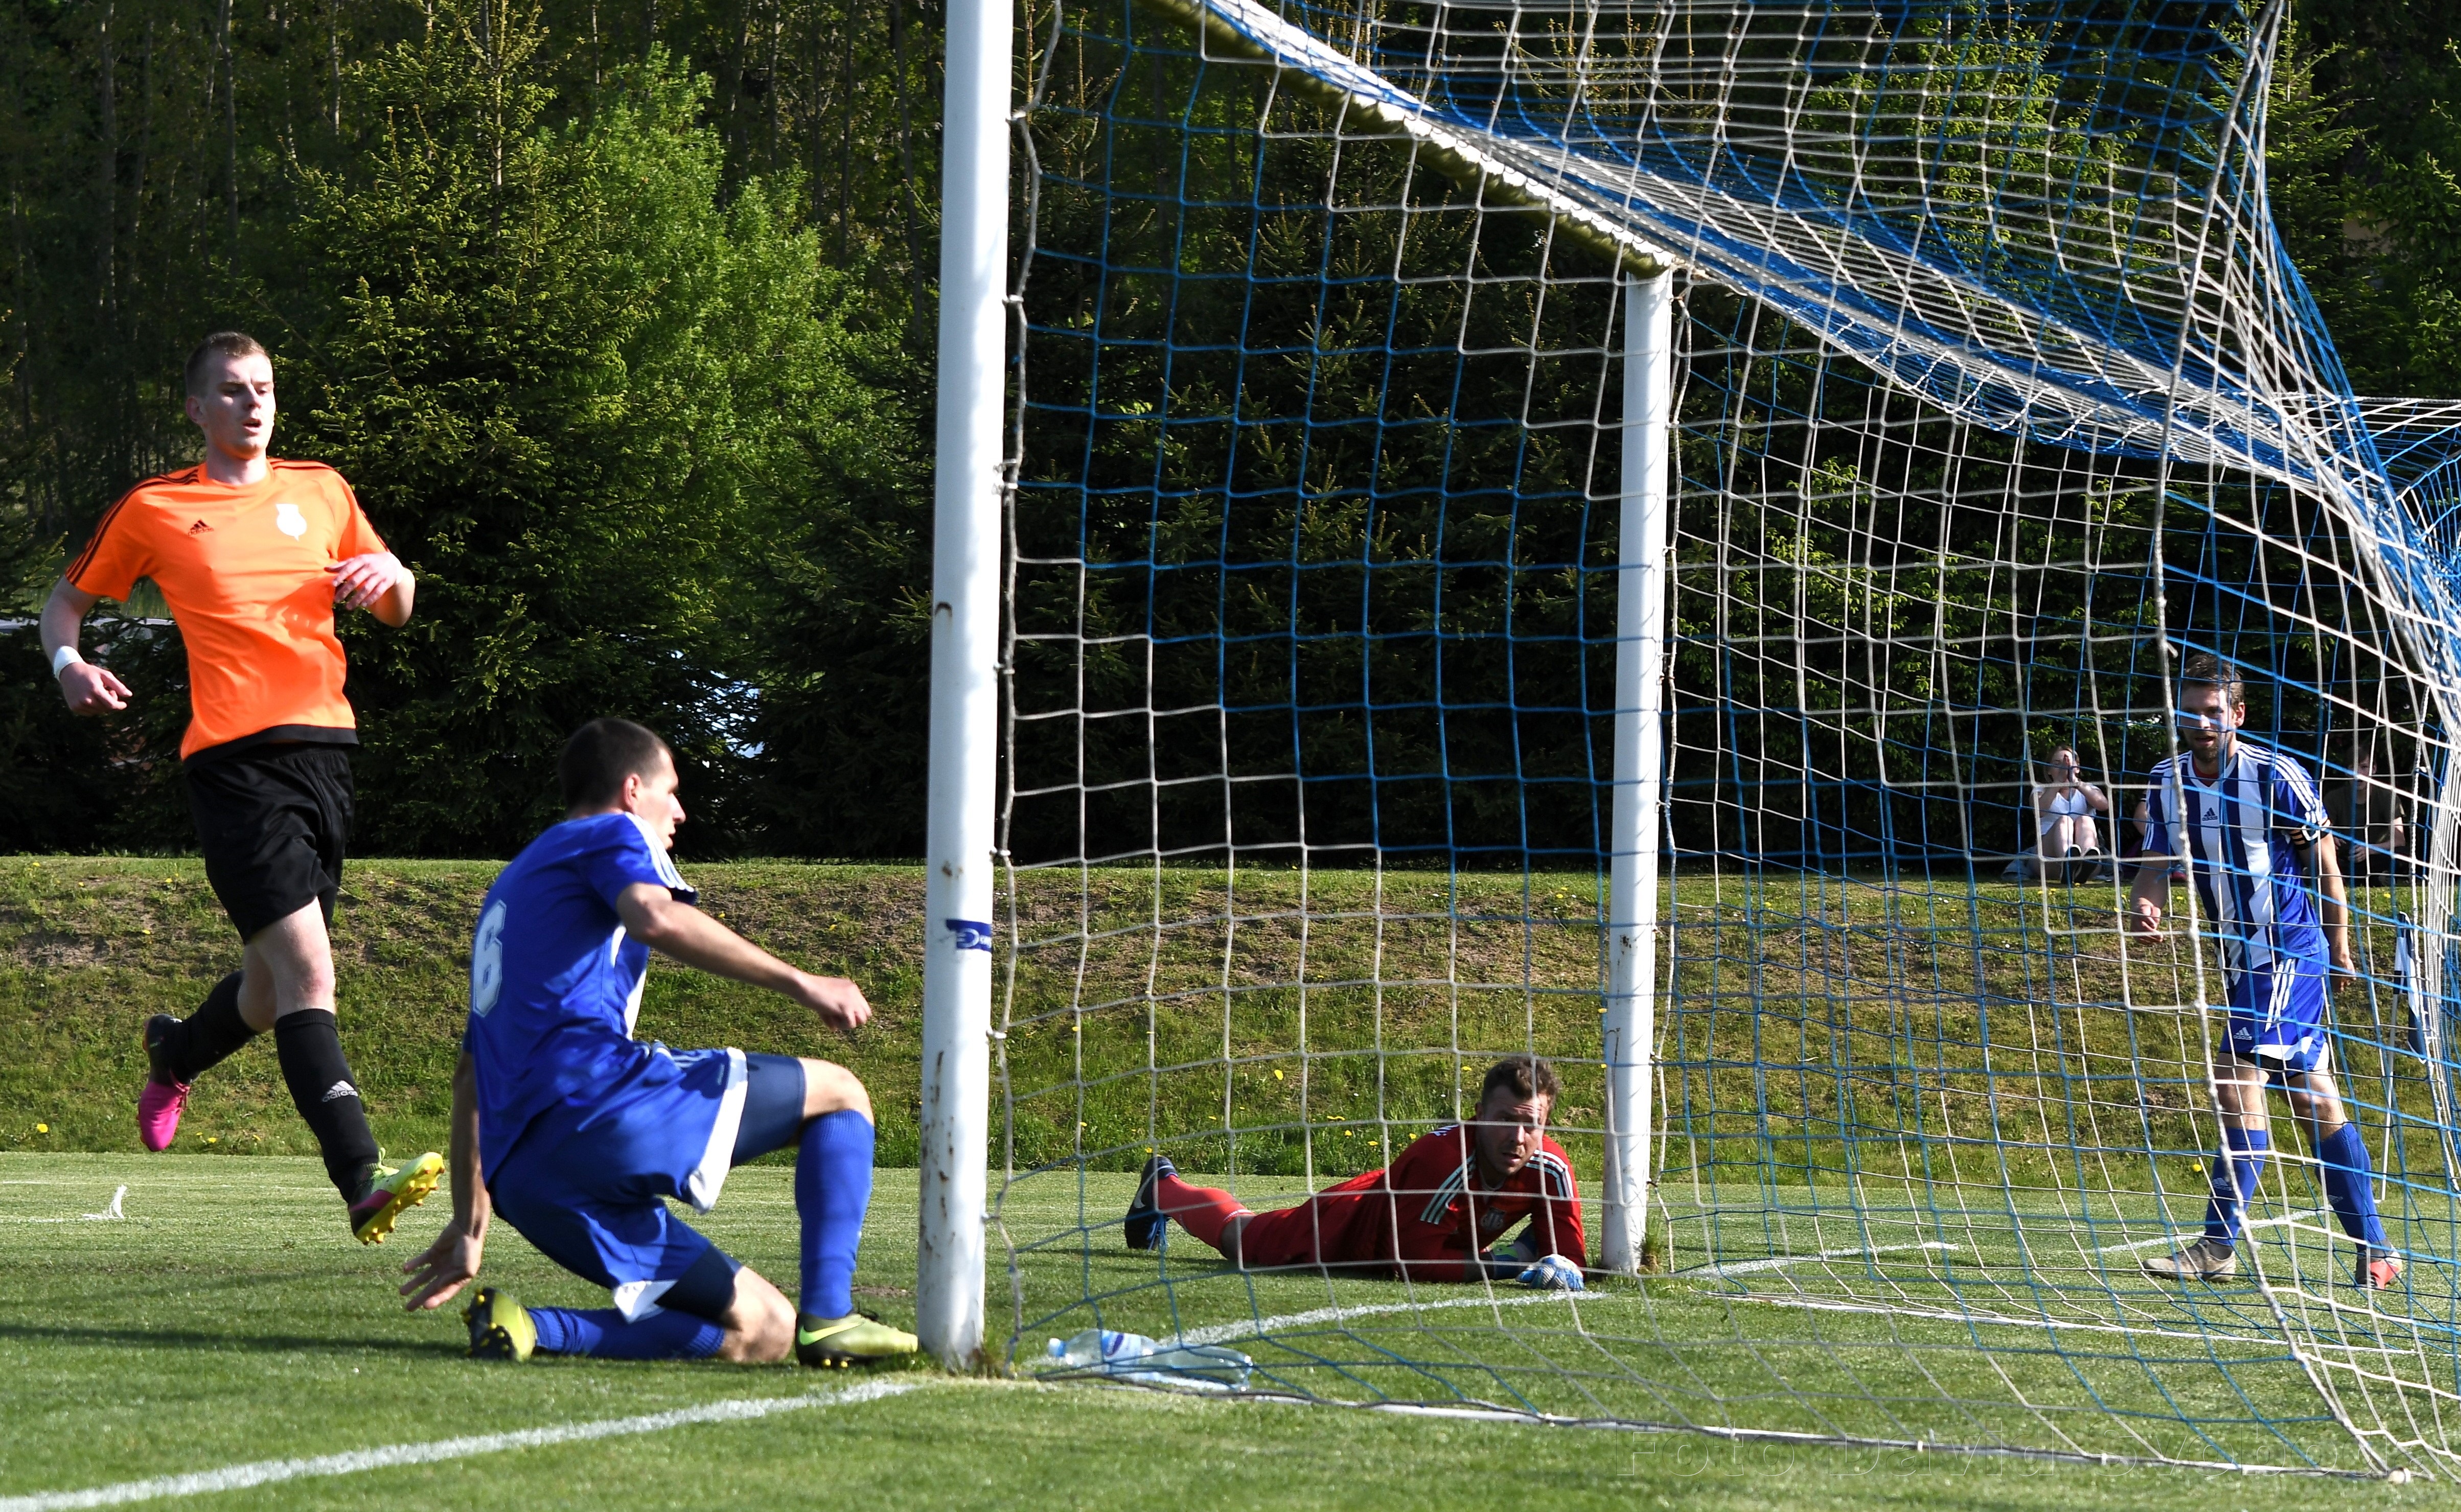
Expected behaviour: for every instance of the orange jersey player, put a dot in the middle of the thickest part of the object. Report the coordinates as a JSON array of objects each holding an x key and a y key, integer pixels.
[
  {"x": 255, "y": 555},
  {"x": 1434, "y": 1215}
]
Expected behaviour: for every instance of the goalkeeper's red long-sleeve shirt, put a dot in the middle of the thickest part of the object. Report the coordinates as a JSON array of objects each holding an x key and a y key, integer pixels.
[{"x": 1426, "y": 1215}]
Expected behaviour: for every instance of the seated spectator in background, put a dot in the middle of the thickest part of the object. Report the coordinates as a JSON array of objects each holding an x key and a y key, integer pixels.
[
  {"x": 2372, "y": 822},
  {"x": 2068, "y": 837}
]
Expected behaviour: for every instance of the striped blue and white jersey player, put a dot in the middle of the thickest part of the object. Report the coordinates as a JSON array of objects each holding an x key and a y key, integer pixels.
[{"x": 2244, "y": 828}]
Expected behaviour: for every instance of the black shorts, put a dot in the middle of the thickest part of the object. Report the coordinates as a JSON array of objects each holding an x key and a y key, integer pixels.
[{"x": 273, "y": 821}]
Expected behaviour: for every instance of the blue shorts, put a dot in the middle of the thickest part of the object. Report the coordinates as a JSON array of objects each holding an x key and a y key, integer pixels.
[
  {"x": 587, "y": 1186},
  {"x": 2277, "y": 1016}
]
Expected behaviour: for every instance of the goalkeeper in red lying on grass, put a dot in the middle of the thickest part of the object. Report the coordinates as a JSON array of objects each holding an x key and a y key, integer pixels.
[{"x": 1433, "y": 1215}]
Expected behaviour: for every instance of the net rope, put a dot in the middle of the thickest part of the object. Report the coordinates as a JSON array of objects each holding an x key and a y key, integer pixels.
[{"x": 1996, "y": 396}]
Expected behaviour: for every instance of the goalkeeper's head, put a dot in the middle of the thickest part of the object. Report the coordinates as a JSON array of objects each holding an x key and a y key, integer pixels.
[{"x": 1510, "y": 1124}]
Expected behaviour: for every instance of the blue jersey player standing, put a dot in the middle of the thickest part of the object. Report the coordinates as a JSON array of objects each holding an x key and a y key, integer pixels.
[
  {"x": 576, "y": 1134},
  {"x": 2254, "y": 829}
]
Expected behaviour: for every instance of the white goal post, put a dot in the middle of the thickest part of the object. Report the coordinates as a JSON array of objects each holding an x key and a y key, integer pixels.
[
  {"x": 1633, "y": 982},
  {"x": 970, "y": 487}
]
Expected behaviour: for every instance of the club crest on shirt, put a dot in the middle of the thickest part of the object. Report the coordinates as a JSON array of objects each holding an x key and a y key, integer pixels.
[{"x": 287, "y": 520}]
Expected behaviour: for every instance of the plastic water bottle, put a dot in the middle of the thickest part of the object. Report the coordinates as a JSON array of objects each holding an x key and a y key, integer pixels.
[{"x": 1133, "y": 1355}]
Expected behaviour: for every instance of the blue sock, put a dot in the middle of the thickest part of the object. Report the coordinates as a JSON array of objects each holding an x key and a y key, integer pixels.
[
  {"x": 603, "y": 1332},
  {"x": 2236, "y": 1173},
  {"x": 2346, "y": 1187},
  {"x": 832, "y": 1191}
]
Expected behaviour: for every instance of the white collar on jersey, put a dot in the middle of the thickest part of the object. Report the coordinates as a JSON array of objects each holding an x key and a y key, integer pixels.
[
  {"x": 2245, "y": 755},
  {"x": 665, "y": 861}
]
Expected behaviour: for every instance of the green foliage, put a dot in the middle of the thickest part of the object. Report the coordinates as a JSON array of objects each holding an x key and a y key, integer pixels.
[
  {"x": 610, "y": 315},
  {"x": 1341, "y": 535},
  {"x": 617, "y": 319},
  {"x": 578, "y": 392},
  {"x": 840, "y": 639},
  {"x": 2364, "y": 143}
]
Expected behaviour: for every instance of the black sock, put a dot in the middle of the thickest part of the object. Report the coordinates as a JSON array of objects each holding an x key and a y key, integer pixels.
[
  {"x": 209, "y": 1034},
  {"x": 309, "y": 1043}
]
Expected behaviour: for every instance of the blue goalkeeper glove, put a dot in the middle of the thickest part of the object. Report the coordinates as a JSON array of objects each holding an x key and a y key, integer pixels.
[{"x": 1554, "y": 1273}]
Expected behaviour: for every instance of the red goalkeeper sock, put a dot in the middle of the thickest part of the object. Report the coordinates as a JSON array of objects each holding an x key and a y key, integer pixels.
[{"x": 1201, "y": 1210}]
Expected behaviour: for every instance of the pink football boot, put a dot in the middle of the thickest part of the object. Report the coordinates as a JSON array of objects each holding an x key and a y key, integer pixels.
[{"x": 160, "y": 1104}]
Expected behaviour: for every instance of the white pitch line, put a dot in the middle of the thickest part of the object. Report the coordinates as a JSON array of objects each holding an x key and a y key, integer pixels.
[
  {"x": 2172, "y": 1239},
  {"x": 1744, "y": 1267},
  {"x": 1227, "y": 1333},
  {"x": 267, "y": 1472}
]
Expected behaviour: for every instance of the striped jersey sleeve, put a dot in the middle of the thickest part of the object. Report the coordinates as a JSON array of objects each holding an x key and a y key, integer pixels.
[
  {"x": 2297, "y": 803},
  {"x": 1555, "y": 1222}
]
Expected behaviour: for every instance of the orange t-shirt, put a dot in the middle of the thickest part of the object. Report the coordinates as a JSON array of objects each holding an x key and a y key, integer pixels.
[{"x": 244, "y": 572}]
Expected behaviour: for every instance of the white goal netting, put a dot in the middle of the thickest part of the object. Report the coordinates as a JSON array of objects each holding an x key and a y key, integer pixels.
[{"x": 1993, "y": 400}]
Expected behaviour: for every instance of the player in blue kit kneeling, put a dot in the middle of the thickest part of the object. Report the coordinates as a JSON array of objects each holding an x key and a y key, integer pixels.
[{"x": 577, "y": 1134}]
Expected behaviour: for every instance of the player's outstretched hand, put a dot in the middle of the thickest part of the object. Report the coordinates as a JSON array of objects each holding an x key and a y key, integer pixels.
[
  {"x": 443, "y": 1268},
  {"x": 361, "y": 581},
  {"x": 1554, "y": 1273},
  {"x": 837, "y": 1000},
  {"x": 92, "y": 690}
]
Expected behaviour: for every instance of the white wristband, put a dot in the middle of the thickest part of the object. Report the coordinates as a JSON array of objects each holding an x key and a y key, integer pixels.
[{"x": 61, "y": 658}]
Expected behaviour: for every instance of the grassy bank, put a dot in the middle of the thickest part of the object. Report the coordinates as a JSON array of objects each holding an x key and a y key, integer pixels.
[
  {"x": 1825, "y": 1029},
  {"x": 90, "y": 948}
]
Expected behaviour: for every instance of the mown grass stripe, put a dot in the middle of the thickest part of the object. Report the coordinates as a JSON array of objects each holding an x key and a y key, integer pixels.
[{"x": 267, "y": 1471}]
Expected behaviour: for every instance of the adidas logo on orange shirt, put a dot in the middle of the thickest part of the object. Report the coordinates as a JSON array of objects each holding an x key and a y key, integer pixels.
[{"x": 199, "y": 528}]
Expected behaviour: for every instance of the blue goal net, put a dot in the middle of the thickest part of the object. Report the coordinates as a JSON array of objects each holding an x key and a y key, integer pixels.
[{"x": 1414, "y": 664}]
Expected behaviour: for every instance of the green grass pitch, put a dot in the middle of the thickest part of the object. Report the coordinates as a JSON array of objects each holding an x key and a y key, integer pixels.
[{"x": 227, "y": 1320}]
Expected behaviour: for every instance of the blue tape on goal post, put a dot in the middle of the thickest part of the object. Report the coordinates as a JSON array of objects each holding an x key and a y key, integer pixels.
[{"x": 971, "y": 935}]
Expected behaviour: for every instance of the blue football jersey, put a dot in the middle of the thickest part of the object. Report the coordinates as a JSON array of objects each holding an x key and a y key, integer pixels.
[
  {"x": 2244, "y": 828},
  {"x": 555, "y": 983}
]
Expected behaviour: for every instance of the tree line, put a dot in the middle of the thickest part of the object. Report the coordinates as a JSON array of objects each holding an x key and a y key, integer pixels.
[
  {"x": 614, "y": 318},
  {"x": 619, "y": 318}
]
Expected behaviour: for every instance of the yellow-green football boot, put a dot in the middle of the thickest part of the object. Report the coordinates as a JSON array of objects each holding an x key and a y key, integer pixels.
[
  {"x": 500, "y": 1328},
  {"x": 371, "y": 1216},
  {"x": 833, "y": 1344}
]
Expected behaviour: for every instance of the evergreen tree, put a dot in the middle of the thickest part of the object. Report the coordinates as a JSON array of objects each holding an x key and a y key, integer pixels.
[{"x": 578, "y": 396}]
